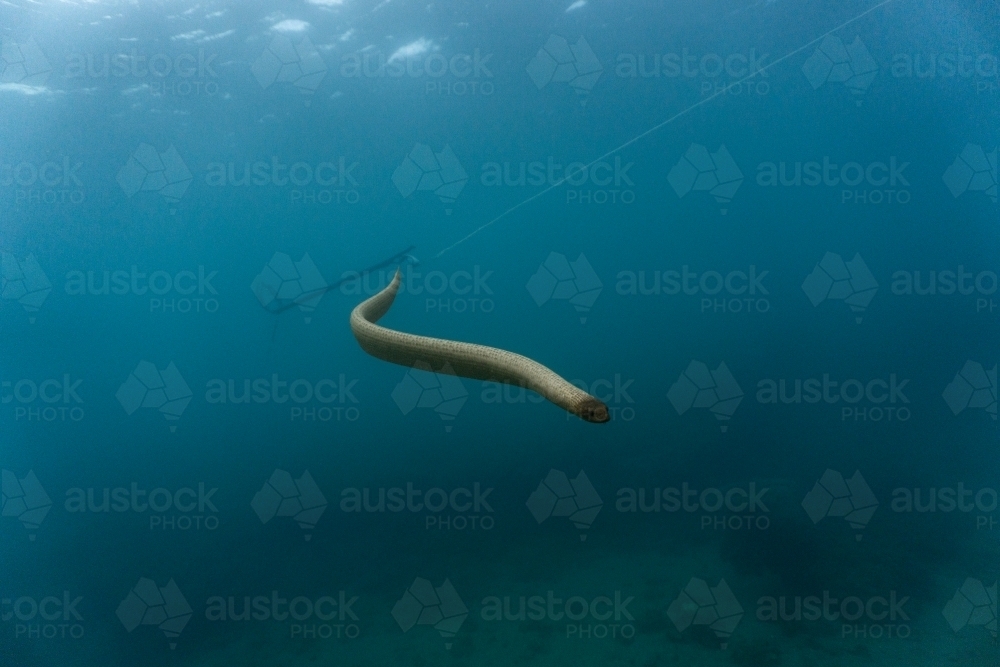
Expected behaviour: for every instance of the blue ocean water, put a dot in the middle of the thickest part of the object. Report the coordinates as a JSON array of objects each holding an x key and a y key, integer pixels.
[{"x": 764, "y": 233}]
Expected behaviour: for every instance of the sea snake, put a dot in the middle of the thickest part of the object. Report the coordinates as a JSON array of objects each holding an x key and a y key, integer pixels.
[{"x": 477, "y": 362}]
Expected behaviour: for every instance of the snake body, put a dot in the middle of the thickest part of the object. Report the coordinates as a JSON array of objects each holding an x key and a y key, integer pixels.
[{"x": 477, "y": 362}]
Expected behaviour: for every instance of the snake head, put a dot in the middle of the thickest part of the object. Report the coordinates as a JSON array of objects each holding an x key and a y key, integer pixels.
[{"x": 594, "y": 411}]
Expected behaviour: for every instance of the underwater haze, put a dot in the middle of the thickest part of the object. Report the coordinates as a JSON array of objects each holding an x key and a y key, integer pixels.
[{"x": 763, "y": 232}]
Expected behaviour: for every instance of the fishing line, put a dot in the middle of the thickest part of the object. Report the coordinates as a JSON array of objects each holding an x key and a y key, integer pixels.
[
  {"x": 400, "y": 258},
  {"x": 636, "y": 138},
  {"x": 277, "y": 307}
]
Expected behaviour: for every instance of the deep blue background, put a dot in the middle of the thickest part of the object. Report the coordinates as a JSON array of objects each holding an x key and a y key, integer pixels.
[{"x": 646, "y": 340}]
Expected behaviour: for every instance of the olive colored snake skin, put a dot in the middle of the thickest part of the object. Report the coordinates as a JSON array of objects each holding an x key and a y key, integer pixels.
[{"x": 477, "y": 362}]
